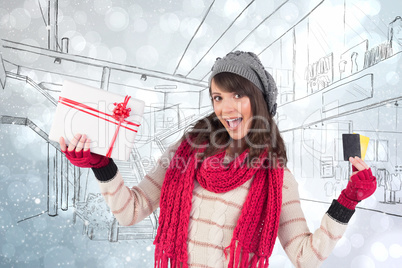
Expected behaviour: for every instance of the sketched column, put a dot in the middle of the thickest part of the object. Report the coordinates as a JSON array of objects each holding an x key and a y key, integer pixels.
[
  {"x": 53, "y": 14},
  {"x": 105, "y": 78},
  {"x": 64, "y": 182},
  {"x": 65, "y": 44},
  {"x": 76, "y": 173},
  {"x": 3, "y": 75},
  {"x": 53, "y": 161},
  {"x": 113, "y": 235}
]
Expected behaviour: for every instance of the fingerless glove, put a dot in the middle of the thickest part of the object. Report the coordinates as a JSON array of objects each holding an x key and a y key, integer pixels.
[
  {"x": 86, "y": 159},
  {"x": 360, "y": 186}
]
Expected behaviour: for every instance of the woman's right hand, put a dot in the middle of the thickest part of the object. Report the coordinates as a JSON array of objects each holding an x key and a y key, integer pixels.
[{"x": 79, "y": 154}]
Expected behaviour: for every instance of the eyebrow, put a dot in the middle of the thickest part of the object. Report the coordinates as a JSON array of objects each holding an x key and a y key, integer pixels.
[{"x": 216, "y": 93}]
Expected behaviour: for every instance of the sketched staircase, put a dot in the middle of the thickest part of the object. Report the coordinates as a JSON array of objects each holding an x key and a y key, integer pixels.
[
  {"x": 57, "y": 166},
  {"x": 39, "y": 87},
  {"x": 146, "y": 229},
  {"x": 13, "y": 120},
  {"x": 132, "y": 171},
  {"x": 178, "y": 127}
]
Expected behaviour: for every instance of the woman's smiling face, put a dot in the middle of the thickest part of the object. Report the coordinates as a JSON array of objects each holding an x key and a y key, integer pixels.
[{"x": 233, "y": 110}]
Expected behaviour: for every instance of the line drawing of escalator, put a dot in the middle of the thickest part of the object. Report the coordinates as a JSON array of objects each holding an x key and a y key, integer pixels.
[
  {"x": 39, "y": 87},
  {"x": 132, "y": 176},
  {"x": 84, "y": 203},
  {"x": 146, "y": 229},
  {"x": 59, "y": 179},
  {"x": 178, "y": 127},
  {"x": 56, "y": 165}
]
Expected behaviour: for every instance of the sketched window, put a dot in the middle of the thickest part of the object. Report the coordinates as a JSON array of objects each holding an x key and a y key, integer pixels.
[
  {"x": 370, "y": 153},
  {"x": 338, "y": 150},
  {"x": 382, "y": 150}
]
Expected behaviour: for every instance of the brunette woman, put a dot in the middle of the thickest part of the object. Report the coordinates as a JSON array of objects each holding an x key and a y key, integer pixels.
[{"x": 223, "y": 190}]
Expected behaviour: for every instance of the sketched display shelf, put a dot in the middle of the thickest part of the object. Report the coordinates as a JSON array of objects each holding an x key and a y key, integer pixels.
[{"x": 363, "y": 89}]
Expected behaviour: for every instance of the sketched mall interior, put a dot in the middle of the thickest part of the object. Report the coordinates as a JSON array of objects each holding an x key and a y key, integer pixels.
[{"x": 336, "y": 65}]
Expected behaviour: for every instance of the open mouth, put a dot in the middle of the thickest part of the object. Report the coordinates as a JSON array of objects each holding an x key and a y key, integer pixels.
[{"x": 233, "y": 123}]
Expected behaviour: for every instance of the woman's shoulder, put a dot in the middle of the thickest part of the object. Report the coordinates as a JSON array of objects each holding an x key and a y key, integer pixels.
[
  {"x": 289, "y": 181},
  {"x": 174, "y": 146},
  {"x": 287, "y": 172},
  {"x": 167, "y": 155}
]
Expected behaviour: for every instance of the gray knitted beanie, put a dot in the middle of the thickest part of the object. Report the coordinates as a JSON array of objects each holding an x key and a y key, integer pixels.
[{"x": 249, "y": 66}]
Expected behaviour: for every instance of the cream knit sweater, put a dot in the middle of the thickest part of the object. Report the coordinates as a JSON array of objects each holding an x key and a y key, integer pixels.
[{"x": 213, "y": 216}]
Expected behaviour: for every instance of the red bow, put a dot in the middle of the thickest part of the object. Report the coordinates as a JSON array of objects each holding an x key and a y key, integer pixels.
[{"x": 120, "y": 112}]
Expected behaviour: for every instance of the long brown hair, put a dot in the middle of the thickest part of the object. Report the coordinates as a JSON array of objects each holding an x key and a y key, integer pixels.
[{"x": 263, "y": 135}]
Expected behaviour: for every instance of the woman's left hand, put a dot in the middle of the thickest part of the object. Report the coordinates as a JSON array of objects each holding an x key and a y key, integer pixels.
[
  {"x": 361, "y": 184},
  {"x": 357, "y": 164}
]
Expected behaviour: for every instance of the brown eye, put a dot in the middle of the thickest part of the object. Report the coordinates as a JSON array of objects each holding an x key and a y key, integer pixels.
[{"x": 217, "y": 98}]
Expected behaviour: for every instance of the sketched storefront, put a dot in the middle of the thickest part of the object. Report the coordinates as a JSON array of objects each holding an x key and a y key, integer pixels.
[{"x": 355, "y": 89}]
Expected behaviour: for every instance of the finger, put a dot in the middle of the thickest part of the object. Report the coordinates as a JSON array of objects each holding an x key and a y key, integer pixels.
[
  {"x": 74, "y": 142},
  {"x": 78, "y": 154},
  {"x": 356, "y": 163},
  {"x": 363, "y": 175},
  {"x": 63, "y": 146},
  {"x": 80, "y": 144},
  {"x": 87, "y": 151},
  {"x": 358, "y": 159},
  {"x": 87, "y": 145}
]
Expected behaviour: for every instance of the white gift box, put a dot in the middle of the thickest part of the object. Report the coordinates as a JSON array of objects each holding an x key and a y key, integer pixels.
[{"x": 87, "y": 110}]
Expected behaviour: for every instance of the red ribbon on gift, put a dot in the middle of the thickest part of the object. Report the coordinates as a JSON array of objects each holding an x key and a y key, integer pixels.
[{"x": 120, "y": 113}]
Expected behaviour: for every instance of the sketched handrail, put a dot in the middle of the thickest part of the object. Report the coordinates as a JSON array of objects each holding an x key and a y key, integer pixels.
[
  {"x": 53, "y": 169},
  {"x": 28, "y": 80},
  {"x": 142, "y": 172},
  {"x": 136, "y": 161},
  {"x": 188, "y": 121},
  {"x": 13, "y": 120},
  {"x": 181, "y": 125}
]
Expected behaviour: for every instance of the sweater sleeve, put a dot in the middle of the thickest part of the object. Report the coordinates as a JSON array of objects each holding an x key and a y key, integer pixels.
[
  {"x": 306, "y": 249},
  {"x": 131, "y": 205}
]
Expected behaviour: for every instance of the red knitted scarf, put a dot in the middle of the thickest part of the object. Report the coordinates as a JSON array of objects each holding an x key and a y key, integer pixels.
[{"x": 257, "y": 226}]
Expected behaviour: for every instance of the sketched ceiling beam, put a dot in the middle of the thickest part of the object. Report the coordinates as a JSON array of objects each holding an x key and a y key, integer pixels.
[
  {"x": 264, "y": 20},
  {"x": 7, "y": 44},
  {"x": 195, "y": 33},
  {"x": 30, "y": 81},
  {"x": 297, "y": 23},
  {"x": 252, "y": 31},
  {"x": 220, "y": 37},
  {"x": 40, "y": 85}
]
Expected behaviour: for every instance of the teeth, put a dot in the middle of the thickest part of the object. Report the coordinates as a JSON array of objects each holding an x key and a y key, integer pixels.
[{"x": 233, "y": 123}]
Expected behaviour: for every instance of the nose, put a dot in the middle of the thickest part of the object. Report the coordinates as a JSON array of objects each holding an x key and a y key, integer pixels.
[{"x": 228, "y": 105}]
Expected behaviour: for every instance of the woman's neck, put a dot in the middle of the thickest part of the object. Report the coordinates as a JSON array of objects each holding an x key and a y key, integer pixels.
[{"x": 236, "y": 147}]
